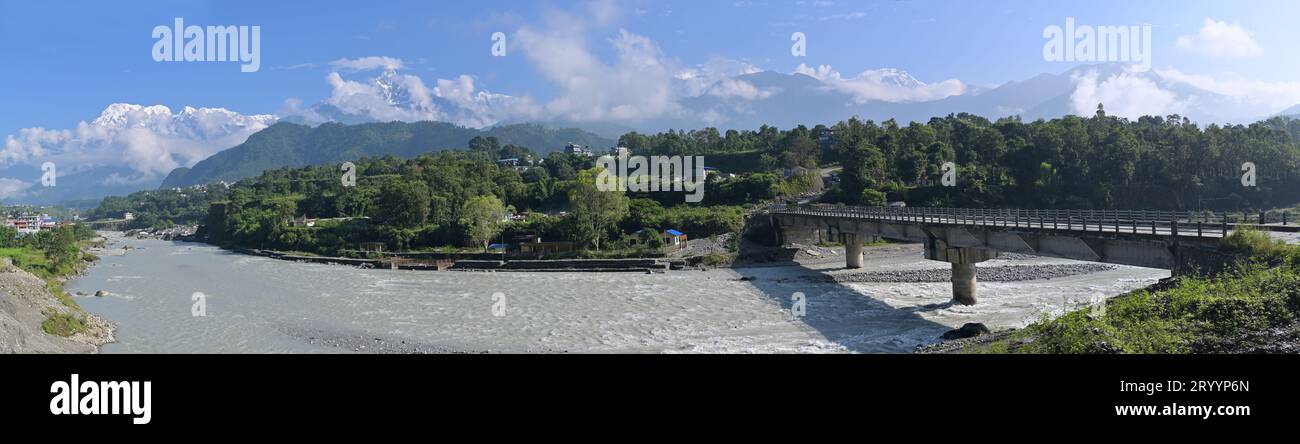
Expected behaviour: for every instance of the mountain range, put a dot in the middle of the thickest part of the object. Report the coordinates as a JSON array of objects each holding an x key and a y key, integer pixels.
[
  {"x": 132, "y": 147},
  {"x": 293, "y": 145}
]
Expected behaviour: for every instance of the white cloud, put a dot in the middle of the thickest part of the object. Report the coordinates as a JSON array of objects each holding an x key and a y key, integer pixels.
[
  {"x": 11, "y": 188},
  {"x": 604, "y": 12},
  {"x": 843, "y": 16},
  {"x": 889, "y": 85},
  {"x": 404, "y": 97},
  {"x": 638, "y": 85},
  {"x": 368, "y": 63},
  {"x": 150, "y": 140},
  {"x": 691, "y": 82},
  {"x": 739, "y": 89},
  {"x": 1127, "y": 95},
  {"x": 391, "y": 96},
  {"x": 479, "y": 109},
  {"x": 1269, "y": 97},
  {"x": 1221, "y": 40}
]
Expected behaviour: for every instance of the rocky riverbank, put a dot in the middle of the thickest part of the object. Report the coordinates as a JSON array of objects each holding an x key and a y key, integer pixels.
[
  {"x": 179, "y": 232},
  {"x": 27, "y": 301}
]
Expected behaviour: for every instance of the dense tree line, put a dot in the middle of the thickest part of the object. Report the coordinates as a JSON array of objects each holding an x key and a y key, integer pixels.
[
  {"x": 160, "y": 208},
  {"x": 460, "y": 198},
  {"x": 1071, "y": 162},
  {"x": 1102, "y": 162},
  {"x": 766, "y": 149}
]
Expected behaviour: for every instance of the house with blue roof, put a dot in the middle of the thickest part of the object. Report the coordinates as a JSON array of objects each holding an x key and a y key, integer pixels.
[{"x": 674, "y": 239}]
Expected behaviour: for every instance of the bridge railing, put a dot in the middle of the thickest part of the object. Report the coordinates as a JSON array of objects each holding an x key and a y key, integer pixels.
[{"x": 1175, "y": 223}]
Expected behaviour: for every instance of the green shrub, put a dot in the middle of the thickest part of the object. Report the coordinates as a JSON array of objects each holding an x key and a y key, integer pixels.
[
  {"x": 716, "y": 259},
  {"x": 63, "y": 324}
]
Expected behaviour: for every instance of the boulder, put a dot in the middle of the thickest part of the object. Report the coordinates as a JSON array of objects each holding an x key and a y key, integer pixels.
[{"x": 969, "y": 330}]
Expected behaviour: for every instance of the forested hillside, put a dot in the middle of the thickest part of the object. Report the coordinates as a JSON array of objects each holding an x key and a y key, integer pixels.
[{"x": 293, "y": 145}]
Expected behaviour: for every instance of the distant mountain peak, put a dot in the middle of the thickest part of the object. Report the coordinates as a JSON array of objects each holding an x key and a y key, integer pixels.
[{"x": 894, "y": 77}]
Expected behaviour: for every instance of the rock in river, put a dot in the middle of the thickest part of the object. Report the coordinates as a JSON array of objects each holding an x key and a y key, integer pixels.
[{"x": 970, "y": 330}]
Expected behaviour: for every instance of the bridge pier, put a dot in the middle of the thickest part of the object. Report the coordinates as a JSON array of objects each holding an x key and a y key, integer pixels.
[
  {"x": 963, "y": 283},
  {"x": 963, "y": 260},
  {"x": 852, "y": 250}
]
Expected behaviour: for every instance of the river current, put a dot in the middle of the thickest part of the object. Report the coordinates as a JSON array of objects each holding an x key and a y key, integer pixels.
[{"x": 260, "y": 305}]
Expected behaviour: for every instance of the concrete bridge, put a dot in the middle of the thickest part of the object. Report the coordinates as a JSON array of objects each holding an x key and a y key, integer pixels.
[{"x": 1177, "y": 241}]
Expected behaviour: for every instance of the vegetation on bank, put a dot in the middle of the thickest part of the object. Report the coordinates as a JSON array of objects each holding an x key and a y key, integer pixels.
[
  {"x": 64, "y": 324},
  {"x": 449, "y": 199},
  {"x": 52, "y": 255},
  {"x": 1098, "y": 162},
  {"x": 1207, "y": 314}
]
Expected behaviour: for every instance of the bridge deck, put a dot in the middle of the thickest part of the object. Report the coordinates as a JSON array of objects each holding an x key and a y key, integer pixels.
[{"x": 1149, "y": 223}]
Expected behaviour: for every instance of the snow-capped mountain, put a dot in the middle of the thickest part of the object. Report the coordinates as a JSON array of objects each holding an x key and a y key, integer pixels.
[
  {"x": 895, "y": 77},
  {"x": 403, "y": 97},
  {"x": 126, "y": 148},
  {"x": 191, "y": 122}
]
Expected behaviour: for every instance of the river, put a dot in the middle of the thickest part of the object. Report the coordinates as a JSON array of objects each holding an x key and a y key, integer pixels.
[{"x": 261, "y": 305}]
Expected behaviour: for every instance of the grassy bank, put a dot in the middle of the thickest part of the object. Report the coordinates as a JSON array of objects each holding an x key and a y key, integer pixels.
[
  {"x": 53, "y": 255},
  {"x": 1220, "y": 314}
]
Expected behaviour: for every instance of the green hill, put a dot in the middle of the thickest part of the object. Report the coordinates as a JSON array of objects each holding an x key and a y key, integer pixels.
[{"x": 292, "y": 145}]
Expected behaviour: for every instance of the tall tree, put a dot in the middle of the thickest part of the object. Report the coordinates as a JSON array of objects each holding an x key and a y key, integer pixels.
[
  {"x": 483, "y": 218},
  {"x": 404, "y": 203},
  {"x": 595, "y": 209}
]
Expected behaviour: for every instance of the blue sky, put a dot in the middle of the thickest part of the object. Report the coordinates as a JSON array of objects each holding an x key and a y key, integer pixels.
[
  {"x": 66, "y": 61},
  {"x": 596, "y": 60}
]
